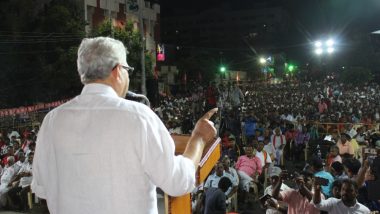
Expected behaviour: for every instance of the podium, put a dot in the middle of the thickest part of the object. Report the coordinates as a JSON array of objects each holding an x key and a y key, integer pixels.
[{"x": 210, "y": 156}]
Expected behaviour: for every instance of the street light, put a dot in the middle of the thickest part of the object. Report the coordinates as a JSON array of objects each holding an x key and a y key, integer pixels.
[
  {"x": 318, "y": 44},
  {"x": 330, "y": 50},
  {"x": 322, "y": 47},
  {"x": 318, "y": 51},
  {"x": 265, "y": 63},
  {"x": 262, "y": 60}
]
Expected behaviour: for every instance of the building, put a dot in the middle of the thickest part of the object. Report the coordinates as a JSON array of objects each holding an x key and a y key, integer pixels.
[{"x": 120, "y": 11}]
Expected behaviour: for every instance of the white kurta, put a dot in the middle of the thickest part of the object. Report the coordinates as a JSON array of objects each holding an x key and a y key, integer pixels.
[{"x": 99, "y": 153}]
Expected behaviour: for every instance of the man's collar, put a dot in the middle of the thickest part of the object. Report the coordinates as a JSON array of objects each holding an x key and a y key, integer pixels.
[{"x": 98, "y": 88}]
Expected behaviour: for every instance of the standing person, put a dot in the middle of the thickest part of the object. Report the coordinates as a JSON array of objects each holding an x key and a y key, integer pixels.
[
  {"x": 346, "y": 204},
  {"x": 301, "y": 140},
  {"x": 236, "y": 96},
  {"x": 114, "y": 152},
  {"x": 211, "y": 96},
  {"x": 274, "y": 206},
  {"x": 333, "y": 156},
  {"x": 345, "y": 148},
  {"x": 319, "y": 171},
  {"x": 215, "y": 198},
  {"x": 299, "y": 201},
  {"x": 250, "y": 124}
]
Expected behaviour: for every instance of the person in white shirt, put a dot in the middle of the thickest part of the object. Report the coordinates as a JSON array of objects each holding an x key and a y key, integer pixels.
[
  {"x": 272, "y": 204},
  {"x": 268, "y": 147},
  {"x": 346, "y": 204},
  {"x": 100, "y": 153},
  {"x": 6, "y": 179},
  {"x": 213, "y": 179},
  {"x": 21, "y": 159},
  {"x": 231, "y": 196},
  {"x": 226, "y": 161},
  {"x": 18, "y": 194},
  {"x": 263, "y": 155}
]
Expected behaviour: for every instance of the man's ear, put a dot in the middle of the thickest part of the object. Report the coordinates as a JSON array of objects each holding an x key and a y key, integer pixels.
[{"x": 115, "y": 73}]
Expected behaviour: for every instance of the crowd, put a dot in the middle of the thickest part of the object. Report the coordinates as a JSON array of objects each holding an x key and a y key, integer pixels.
[
  {"x": 325, "y": 125},
  {"x": 16, "y": 152},
  {"x": 262, "y": 126}
]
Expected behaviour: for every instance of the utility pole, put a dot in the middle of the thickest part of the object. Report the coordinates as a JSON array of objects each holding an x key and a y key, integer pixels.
[
  {"x": 141, "y": 25},
  {"x": 109, "y": 16}
]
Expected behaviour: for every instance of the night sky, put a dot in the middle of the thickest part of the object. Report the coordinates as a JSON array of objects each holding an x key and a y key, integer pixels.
[
  {"x": 313, "y": 15},
  {"x": 310, "y": 19}
]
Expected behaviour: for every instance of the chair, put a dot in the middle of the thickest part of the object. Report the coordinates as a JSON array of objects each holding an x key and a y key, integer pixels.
[
  {"x": 233, "y": 205},
  {"x": 255, "y": 193},
  {"x": 32, "y": 199}
]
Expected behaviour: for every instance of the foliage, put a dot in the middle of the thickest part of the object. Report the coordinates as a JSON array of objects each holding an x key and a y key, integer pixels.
[
  {"x": 199, "y": 66},
  {"x": 131, "y": 39},
  {"x": 38, "y": 59}
]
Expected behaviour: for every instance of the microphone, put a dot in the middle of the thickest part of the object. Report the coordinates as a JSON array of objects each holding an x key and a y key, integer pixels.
[{"x": 141, "y": 97}]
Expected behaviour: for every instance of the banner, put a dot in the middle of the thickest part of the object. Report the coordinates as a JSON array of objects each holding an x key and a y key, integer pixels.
[{"x": 29, "y": 109}]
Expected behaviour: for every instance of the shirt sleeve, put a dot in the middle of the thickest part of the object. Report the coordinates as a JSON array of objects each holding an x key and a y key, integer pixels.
[
  {"x": 208, "y": 182},
  {"x": 326, "y": 205},
  {"x": 175, "y": 175},
  {"x": 273, "y": 150},
  {"x": 351, "y": 149},
  {"x": 236, "y": 177},
  {"x": 286, "y": 195},
  {"x": 237, "y": 165},
  {"x": 268, "y": 160},
  {"x": 39, "y": 163}
]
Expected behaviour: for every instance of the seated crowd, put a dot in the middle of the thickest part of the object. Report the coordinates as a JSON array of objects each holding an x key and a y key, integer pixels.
[
  {"x": 262, "y": 128},
  {"x": 17, "y": 152}
]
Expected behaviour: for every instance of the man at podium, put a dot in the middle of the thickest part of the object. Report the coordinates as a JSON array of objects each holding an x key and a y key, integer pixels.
[{"x": 101, "y": 153}]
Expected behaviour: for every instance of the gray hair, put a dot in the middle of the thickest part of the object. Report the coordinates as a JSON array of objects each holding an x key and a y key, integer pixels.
[
  {"x": 11, "y": 159},
  {"x": 97, "y": 56}
]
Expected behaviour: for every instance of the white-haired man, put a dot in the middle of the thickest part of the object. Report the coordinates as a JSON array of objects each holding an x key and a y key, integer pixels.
[{"x": 100, "y": 153}]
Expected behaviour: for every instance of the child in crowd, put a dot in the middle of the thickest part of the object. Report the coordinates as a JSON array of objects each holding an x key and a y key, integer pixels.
[{"x": 333, "y": 156}]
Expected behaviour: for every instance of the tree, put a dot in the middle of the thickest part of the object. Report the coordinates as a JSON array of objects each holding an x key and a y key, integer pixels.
[
  {"x": 40, "y": 51},
  {"x": 133, "y": 42}
]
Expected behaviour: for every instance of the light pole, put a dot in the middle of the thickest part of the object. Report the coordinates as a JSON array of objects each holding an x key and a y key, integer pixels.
[
  {"x": 142, "y": 59},
  {"x": 263, "y": 63},
  {"x": 323, "y": 49}
]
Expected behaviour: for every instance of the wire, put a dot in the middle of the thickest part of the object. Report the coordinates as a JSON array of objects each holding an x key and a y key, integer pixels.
[
  {"x": 42, "y": 33},
  {"x": 29, "y": 52}
]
